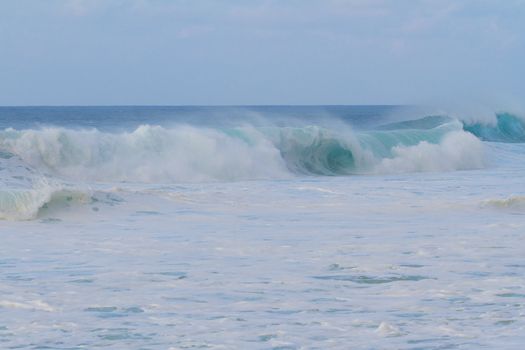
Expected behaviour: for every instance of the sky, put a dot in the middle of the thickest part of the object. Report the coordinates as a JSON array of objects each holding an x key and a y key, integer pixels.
[{"x": 254, "y": 52}]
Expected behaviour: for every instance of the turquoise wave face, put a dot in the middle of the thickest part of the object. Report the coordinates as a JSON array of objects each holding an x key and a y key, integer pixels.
[
  {"x": 316, "y": 151},
  {"x": 320, "y": 151},
  {"x": 508, "y": 128}
]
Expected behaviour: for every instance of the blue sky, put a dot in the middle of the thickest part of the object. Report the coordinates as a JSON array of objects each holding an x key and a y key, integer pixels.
[{"x": 173, "y": 52}]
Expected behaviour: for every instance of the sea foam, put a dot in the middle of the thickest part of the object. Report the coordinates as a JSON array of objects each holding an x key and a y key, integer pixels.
[{"x": 155, "y": 154}]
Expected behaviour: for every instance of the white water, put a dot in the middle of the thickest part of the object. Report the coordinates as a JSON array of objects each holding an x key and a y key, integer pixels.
[
  {"x": 458, "y": 150},
  {"x": 408, "y": 261},
  {"x": 153, "y": 154},
  {"x": 148, "y": 154},
  {"x": 192, "y": 237}
]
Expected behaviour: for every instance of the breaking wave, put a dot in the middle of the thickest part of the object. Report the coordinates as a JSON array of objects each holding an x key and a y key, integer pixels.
[
  {"x": 45, "y": 168},
  {"x": 155, "y": 154},
  {"x": 504, "y": 127},
  {"x": 148, "y": 154},
  {"x": 507, "y": 128},
  {"x": 326, "y": 152}
]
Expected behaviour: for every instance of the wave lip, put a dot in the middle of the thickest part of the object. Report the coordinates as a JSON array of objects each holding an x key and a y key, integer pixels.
[
  {"x": 504, "y": 127},
  {"x": 508, "y": 128}
]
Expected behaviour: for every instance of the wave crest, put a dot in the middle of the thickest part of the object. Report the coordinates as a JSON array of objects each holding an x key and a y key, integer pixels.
[
  {"x": 148, "y": 154},
  {"x": 457, "y": 151},
  {"x": 508, "y": 128},
  {"x": 154, "y": 154}
]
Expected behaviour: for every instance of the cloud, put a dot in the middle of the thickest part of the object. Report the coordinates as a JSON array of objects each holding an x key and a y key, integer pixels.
[{"x": 317, "y": 50}]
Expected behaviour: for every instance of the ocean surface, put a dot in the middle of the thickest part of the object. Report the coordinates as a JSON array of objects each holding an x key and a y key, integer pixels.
[{"x": 286, "y": 227}]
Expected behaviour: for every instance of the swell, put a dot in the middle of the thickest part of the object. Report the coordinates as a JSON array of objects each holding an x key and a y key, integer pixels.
[{"x": 155, "y": 154}]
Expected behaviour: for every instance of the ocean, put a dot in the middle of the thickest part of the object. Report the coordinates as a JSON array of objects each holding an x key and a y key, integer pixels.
[{"x": 262, "y": 227}]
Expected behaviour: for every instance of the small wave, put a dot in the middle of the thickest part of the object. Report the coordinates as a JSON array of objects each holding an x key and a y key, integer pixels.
[
  {"x": 25, "y": 191},
  {"x": 37, "y": 305},
  {"x": 513, "y": 202},
  {"x": 20, "y": 204}
]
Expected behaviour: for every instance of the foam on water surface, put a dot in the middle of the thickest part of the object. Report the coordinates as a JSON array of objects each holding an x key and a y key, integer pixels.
[
  {"x": 419, "y": 249},
  {"x": 270, "y": 264}
]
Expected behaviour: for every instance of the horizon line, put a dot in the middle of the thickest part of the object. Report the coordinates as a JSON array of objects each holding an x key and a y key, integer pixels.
[{"x": 210, "y": 105}]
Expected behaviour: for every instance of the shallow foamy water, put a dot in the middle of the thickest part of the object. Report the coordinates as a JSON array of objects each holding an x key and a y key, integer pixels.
[
  {"x": 417, "y": 261},
  {"x": 272, "y": 228}
]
